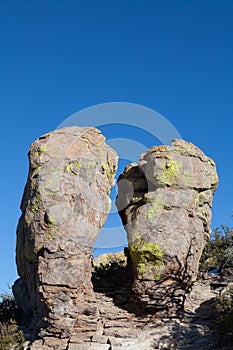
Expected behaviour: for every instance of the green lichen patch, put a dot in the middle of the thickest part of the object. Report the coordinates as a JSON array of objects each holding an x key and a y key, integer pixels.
[
  {"x": 35, "y": 205},
  {"x": 139, "y": 197},
  {"x": 169, "y": 173},
  {"x": 40, "y": 246},
  {"x": 35, "y": 172},
  {"x": 50, "y": 234},
  {"x": 107, "y": 171},
  {"x": 73, "y": 167},
  {"x": 51, "y": 220},
  {"x": 155, "y": 208},
  {"x": 109, "y": 174},
  {"x": 147, "y": 257},
  {"x": 187, "y": 178},
  {"x": 202, "y": 198},
  {"x": 184, "y": 149},
  {"x": 214, "y": 179},
  {"x": 41, "y": 149},
  {"x": 202, "y": 214},
  {"x": 158, "y": 149},
  {"x": 91, "y": 164}
]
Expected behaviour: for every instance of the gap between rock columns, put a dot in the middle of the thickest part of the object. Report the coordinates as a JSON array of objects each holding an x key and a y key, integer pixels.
[
  {"x": 165, "y": 205},
  {"x": 64, "y": 206}
]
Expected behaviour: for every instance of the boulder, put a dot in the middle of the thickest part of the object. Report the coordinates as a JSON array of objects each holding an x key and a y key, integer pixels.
[
  {"x": 64, "y": 206},
  {"x": 165, "y": 204}
]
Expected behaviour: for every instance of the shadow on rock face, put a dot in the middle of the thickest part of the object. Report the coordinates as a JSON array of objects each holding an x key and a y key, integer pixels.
[{"x": 117, "y": 282}]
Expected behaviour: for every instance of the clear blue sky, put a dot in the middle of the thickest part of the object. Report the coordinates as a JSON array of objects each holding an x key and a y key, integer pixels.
[{"x": 58, "y": 57}]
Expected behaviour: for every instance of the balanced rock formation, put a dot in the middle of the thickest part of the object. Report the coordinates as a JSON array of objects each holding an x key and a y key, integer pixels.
[
  {"x": 165, "y": 205},
  {"x": 65, "y": 204}
]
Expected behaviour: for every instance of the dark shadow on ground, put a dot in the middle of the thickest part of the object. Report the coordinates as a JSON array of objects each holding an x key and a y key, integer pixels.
[
  {"x": 188, "y": 330},
  {"x": 116, "y": 282}
]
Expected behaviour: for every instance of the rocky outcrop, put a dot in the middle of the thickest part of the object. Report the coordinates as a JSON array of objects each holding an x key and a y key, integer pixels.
[
  {"x": 121, "y": 327},
  {"x": 165, "y": 205},
  {"x": 65, "y": 204},
  {"x": 69, "y": 301},
  {"x": 125, "y": 327}
]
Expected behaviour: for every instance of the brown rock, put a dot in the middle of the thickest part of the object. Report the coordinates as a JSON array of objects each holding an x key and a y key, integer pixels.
[
  {"x": 65, "y": 204},
  {"x": 165, "y": 205}
]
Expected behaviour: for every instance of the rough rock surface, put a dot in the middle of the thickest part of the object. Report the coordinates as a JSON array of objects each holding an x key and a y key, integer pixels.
[
  {"x": 126, "y": 327},
  {"x": 165, "y": 205},
  {"x": 65, "y": 204},
  {"x": 121, "y": 325}
]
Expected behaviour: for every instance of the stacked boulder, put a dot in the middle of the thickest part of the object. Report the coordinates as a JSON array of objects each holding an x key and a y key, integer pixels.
[
  {"x": 65, "y": 204},
  {"x": 165, "y": 204}
]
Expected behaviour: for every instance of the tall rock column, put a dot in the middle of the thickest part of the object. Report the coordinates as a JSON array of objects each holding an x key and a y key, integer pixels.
[
  {"x": 65, "y": 204},
  {"x": 165, "y": 205}
]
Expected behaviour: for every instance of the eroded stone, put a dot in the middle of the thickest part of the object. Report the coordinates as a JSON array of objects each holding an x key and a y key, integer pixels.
[
  {"x": 165, "y": 205},
  {"x": 65, "y": 204}
]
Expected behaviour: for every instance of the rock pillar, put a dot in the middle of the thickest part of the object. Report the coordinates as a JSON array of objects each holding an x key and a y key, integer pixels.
[
  {"x": 165, "y": 204},
  {"x": 65, "y": 204}
]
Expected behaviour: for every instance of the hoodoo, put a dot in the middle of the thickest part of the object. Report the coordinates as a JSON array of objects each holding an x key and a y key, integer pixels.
[
  {"x": 165, "y": 204},
  {"x": 65, "y": 204}
]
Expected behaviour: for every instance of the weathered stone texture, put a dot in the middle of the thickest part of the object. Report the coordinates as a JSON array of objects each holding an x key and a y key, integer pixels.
[
  {"x": 65, "y": 204},
  {"x": 165, "y": 205}
]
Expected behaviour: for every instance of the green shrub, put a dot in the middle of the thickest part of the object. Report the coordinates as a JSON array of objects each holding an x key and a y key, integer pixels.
[
  {"x": 109, "y": 261},
  {"x": 223, "y": 325},
  {"x": 218, "y": 253},
  {"x": 8, "y": 308},
  {"x": 10, "y": 335}
]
